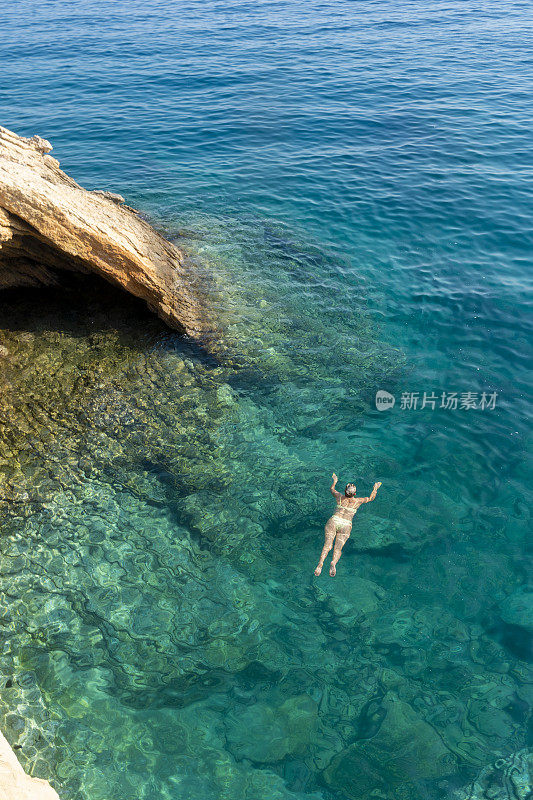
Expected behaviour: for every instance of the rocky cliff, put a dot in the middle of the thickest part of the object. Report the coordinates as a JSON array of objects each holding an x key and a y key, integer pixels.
[{"x": 50, "y": 225}]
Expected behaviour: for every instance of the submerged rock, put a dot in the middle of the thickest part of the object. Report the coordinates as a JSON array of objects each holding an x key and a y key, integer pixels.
[
  {"x": 351, "y": 598},
  {"x": 508, "y": 779},
  {"x": 517, "y": 609},
  {"x": 50, "y": 225},
  {"x": 265, "y": 734},
  {"x": 405, "y": 750}
]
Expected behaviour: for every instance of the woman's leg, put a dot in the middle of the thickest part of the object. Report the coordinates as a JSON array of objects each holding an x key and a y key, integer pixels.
[
  {"x": 342, "y": 537},
  {"x": 329, "y": 534}
]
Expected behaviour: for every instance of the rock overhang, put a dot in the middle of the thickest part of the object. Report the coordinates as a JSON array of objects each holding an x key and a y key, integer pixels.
[{"x": 50, "y": 225}]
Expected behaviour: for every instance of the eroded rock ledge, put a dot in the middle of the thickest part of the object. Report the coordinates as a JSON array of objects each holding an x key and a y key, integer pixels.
[
  {"x": 49, "y": 224},
  {"x": 15, "y": 784}
]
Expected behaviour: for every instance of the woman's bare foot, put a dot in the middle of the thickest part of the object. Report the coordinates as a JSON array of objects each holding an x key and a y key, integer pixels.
[
  {"x": 318, "y": 570},
  {"x": 332, "y": 571}
]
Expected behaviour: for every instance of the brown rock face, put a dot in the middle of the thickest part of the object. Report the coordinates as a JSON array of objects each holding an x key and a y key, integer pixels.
[{"x": 49, "y": 225}]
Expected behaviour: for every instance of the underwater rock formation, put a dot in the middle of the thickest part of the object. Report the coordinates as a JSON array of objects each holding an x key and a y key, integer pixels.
[
  {"x": 262, "y": 733},
  {"x": 49, "y": 225},
  {"x": 517, "y": 609},
  {"x": 15, "y": 784},
  {"x": 387, "y": 759},
  {"x": 508, "y": 779}
]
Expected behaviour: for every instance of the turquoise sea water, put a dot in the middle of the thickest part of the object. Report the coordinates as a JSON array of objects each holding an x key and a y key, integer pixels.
[{"x": 355, "y": 180}]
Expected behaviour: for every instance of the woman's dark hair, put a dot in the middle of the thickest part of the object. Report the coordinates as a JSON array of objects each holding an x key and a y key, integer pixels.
[{"x": 350, "y": 490}]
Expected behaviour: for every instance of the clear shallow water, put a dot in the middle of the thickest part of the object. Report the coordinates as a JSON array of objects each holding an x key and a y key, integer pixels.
[{"x": 357, "y": 180}]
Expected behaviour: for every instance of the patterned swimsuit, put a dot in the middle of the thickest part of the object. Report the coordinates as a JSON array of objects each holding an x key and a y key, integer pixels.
[{"x": 342, "y": 521}]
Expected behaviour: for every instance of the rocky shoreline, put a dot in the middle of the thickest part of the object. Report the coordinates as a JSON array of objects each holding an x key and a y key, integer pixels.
[
  {"x": 49, "y": 226},
  {"x": 15, "y": 784}
]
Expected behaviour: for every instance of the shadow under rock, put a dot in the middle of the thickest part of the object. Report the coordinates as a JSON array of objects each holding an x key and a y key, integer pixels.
[
  {"x": 514, "y": 638},
  {"x": 87, "y": 305}
]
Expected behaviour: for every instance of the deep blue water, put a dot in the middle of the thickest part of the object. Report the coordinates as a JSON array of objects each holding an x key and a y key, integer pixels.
[{"x": 355, "y": 181}]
